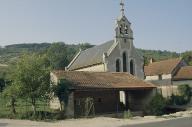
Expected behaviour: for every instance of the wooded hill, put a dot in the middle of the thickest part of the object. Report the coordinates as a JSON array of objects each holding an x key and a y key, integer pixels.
[{"x": 62, "y": 53}]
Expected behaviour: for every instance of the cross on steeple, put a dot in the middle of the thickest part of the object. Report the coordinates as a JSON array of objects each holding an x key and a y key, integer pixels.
[{"x": 122, "y": 7}]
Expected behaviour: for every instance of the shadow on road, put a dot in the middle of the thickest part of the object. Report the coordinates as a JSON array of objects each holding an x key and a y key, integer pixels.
[
  {"x": 3, "y": 124},
  {"x": 181, "y": 122}
]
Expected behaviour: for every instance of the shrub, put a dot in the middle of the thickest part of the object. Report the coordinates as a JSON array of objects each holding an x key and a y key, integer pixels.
[
  {"x": 156, "y": 106},
  {"x": 184, "y": 96},
  {"x": 185, "y": 92}
]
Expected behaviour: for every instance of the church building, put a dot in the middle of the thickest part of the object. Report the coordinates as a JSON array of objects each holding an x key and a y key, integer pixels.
[
  {"x": 117, "y": 55},
  {"x": 107, "y": 78}
]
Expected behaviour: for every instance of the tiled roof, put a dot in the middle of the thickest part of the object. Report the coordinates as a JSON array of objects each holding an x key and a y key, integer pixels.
[
  {"x": 185, "y": 73},
  {"x": 102, "y": 80},
  {"x": 90, "y": 56},
  {"x": 161, "y": 67}
]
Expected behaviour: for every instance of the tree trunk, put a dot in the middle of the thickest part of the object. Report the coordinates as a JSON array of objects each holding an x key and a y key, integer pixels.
[
  {"x": 13, "y": 105},
  {"x": 33, "y": 102}
]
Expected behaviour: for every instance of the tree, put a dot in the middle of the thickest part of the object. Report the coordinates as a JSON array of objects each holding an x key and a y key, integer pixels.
[
  {"x": 84, "y": 46},
  {"x": 12, "y": 93},
  {"x": 187, "y": 56},
  {"x": 31, "y": 77},
  {"x": 62, "y": 91},
  {"x": 185, "y": 92},
  {"x": 3, "y": 76},
  {"x": 57, "y": 55},
  {"x": 156, "y": 106}
]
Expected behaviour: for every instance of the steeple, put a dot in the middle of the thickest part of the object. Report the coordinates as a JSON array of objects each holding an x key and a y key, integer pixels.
[
  {"x": 122, "y": 7},
  {"x": 123, "y": 30}
]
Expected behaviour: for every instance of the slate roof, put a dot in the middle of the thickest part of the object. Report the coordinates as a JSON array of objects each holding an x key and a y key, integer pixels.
[
  {"x": 102, "y": 80},
  {"x": 185, "y": 73},
  {"x": 161, "y": 67},
  {"x": 91, "y": 56}
]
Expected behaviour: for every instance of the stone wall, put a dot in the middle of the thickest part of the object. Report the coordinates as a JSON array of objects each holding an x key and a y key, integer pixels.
[
  {"x": 138, "y": 99},
  {"x": 94, "y": 68},
  {"x": 54, "y": 102},
  {"x": 104, "y": 101},
  {"x": 168, "y": 90},
  {"x": 181, "y": 82},
  {"x": 132, "y": 54},
  {"x": 156, "y": 77}
]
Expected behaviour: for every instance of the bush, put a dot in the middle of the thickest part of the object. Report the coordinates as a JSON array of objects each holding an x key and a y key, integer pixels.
[
  {"x": 156, "y": 106},
  {"x": 184, "y": 96}
]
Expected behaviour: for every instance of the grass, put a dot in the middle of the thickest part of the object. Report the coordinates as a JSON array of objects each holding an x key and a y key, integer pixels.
[{"x": 24, "y": 110}]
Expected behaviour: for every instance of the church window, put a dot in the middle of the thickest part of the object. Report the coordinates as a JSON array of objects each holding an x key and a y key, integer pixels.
[
  {"x": 124, "y": 62},
  {"x": 125, "y": 40},
  {"x": 120, "y": 29},
  {"x": 132, "y": 70},
  {"x": 117, "y": 65},
  {"x": 126, "y": 30}
]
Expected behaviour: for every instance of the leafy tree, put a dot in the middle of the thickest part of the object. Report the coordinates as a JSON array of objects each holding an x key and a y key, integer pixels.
[
  {"x": 57, "y": 55},
  {"x": 62, "y": 91},
  {"x": 156, "y": 106},
  {"x": 31, "y": 77},
  {"x": 185, "y": 92},
  {"x": 3, "y": 76},
  {"x": 187, "y": 57},
  {"x": 12, "y": 93},
  {"x": 84, "y": 46}
]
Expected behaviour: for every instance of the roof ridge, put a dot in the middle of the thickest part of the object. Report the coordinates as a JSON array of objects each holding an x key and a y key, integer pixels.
[
  {"x": 97, "y": 45},
  {"x": 90, "y": 56},
  {"x": 165, "y": 60}
]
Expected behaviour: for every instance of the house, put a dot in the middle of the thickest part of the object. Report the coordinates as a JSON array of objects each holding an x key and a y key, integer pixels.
[
  {"x": 110, "y": 92},
  {"x": 117, "y": 55},
  {"x": 183, "y": 76},
  {"x": 168, "y": 74}
]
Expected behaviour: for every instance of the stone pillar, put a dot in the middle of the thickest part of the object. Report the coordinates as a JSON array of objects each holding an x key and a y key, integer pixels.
[{"x": 69, "y": 112}]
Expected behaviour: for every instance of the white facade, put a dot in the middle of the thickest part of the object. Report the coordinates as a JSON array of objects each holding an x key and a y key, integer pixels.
[{"x": 121, "y": 56}]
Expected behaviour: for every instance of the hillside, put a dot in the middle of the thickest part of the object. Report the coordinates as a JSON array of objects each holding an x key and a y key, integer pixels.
[{"x": 10, "y": 53}]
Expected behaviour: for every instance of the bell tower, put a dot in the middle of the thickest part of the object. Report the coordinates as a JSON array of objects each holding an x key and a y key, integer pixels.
[{"x": 123, "y": 31}]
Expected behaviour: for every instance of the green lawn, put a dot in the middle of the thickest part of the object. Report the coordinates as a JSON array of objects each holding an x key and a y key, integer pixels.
[{"x": 22, "y": 106}]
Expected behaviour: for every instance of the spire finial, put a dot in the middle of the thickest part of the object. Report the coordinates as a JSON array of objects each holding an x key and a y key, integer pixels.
[{"x": 122, "y": 7}]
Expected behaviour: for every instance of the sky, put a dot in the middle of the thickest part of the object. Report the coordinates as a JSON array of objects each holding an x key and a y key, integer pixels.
[{"x": 157, "y": 24}]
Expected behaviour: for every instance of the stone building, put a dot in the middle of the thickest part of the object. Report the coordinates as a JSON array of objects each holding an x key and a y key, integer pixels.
[
  {"x": 183, "y": 76},
  {"x": 117, "y": 55},
  {"x": 111, "y": 74},
  {"x": 168, "y": 74},
  {"x": 110, "y": 92}
]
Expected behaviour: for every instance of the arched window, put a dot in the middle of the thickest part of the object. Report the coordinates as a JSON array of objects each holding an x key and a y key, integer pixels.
[
  {"x": 126, "y": 29},
  {"x": 121, "y": 29},
  {"x": 124, "y": 62},
  {"x": 132, "y": 66},
  {"x": 118, "y": 65}
]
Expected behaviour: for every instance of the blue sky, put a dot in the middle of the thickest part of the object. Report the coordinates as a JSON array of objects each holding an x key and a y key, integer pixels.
[{"x": 157, "y": 24}]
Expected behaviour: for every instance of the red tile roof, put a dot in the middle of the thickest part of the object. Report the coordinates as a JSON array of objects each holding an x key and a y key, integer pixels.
[
  {"x": 103, "y": 80},
  {"x": 185, "y": 73},
  {"x": 161, "y": 67}
]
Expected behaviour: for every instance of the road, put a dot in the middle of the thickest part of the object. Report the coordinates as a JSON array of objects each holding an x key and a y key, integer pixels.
[
  {"x": 181, "y": 122},
  {"x": 100, "y": 122}
]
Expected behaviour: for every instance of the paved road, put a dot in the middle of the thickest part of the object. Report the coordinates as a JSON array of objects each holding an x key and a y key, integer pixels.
[
  {"x": 182, "y": 122},
  {"x": 97, "y": 122}
]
